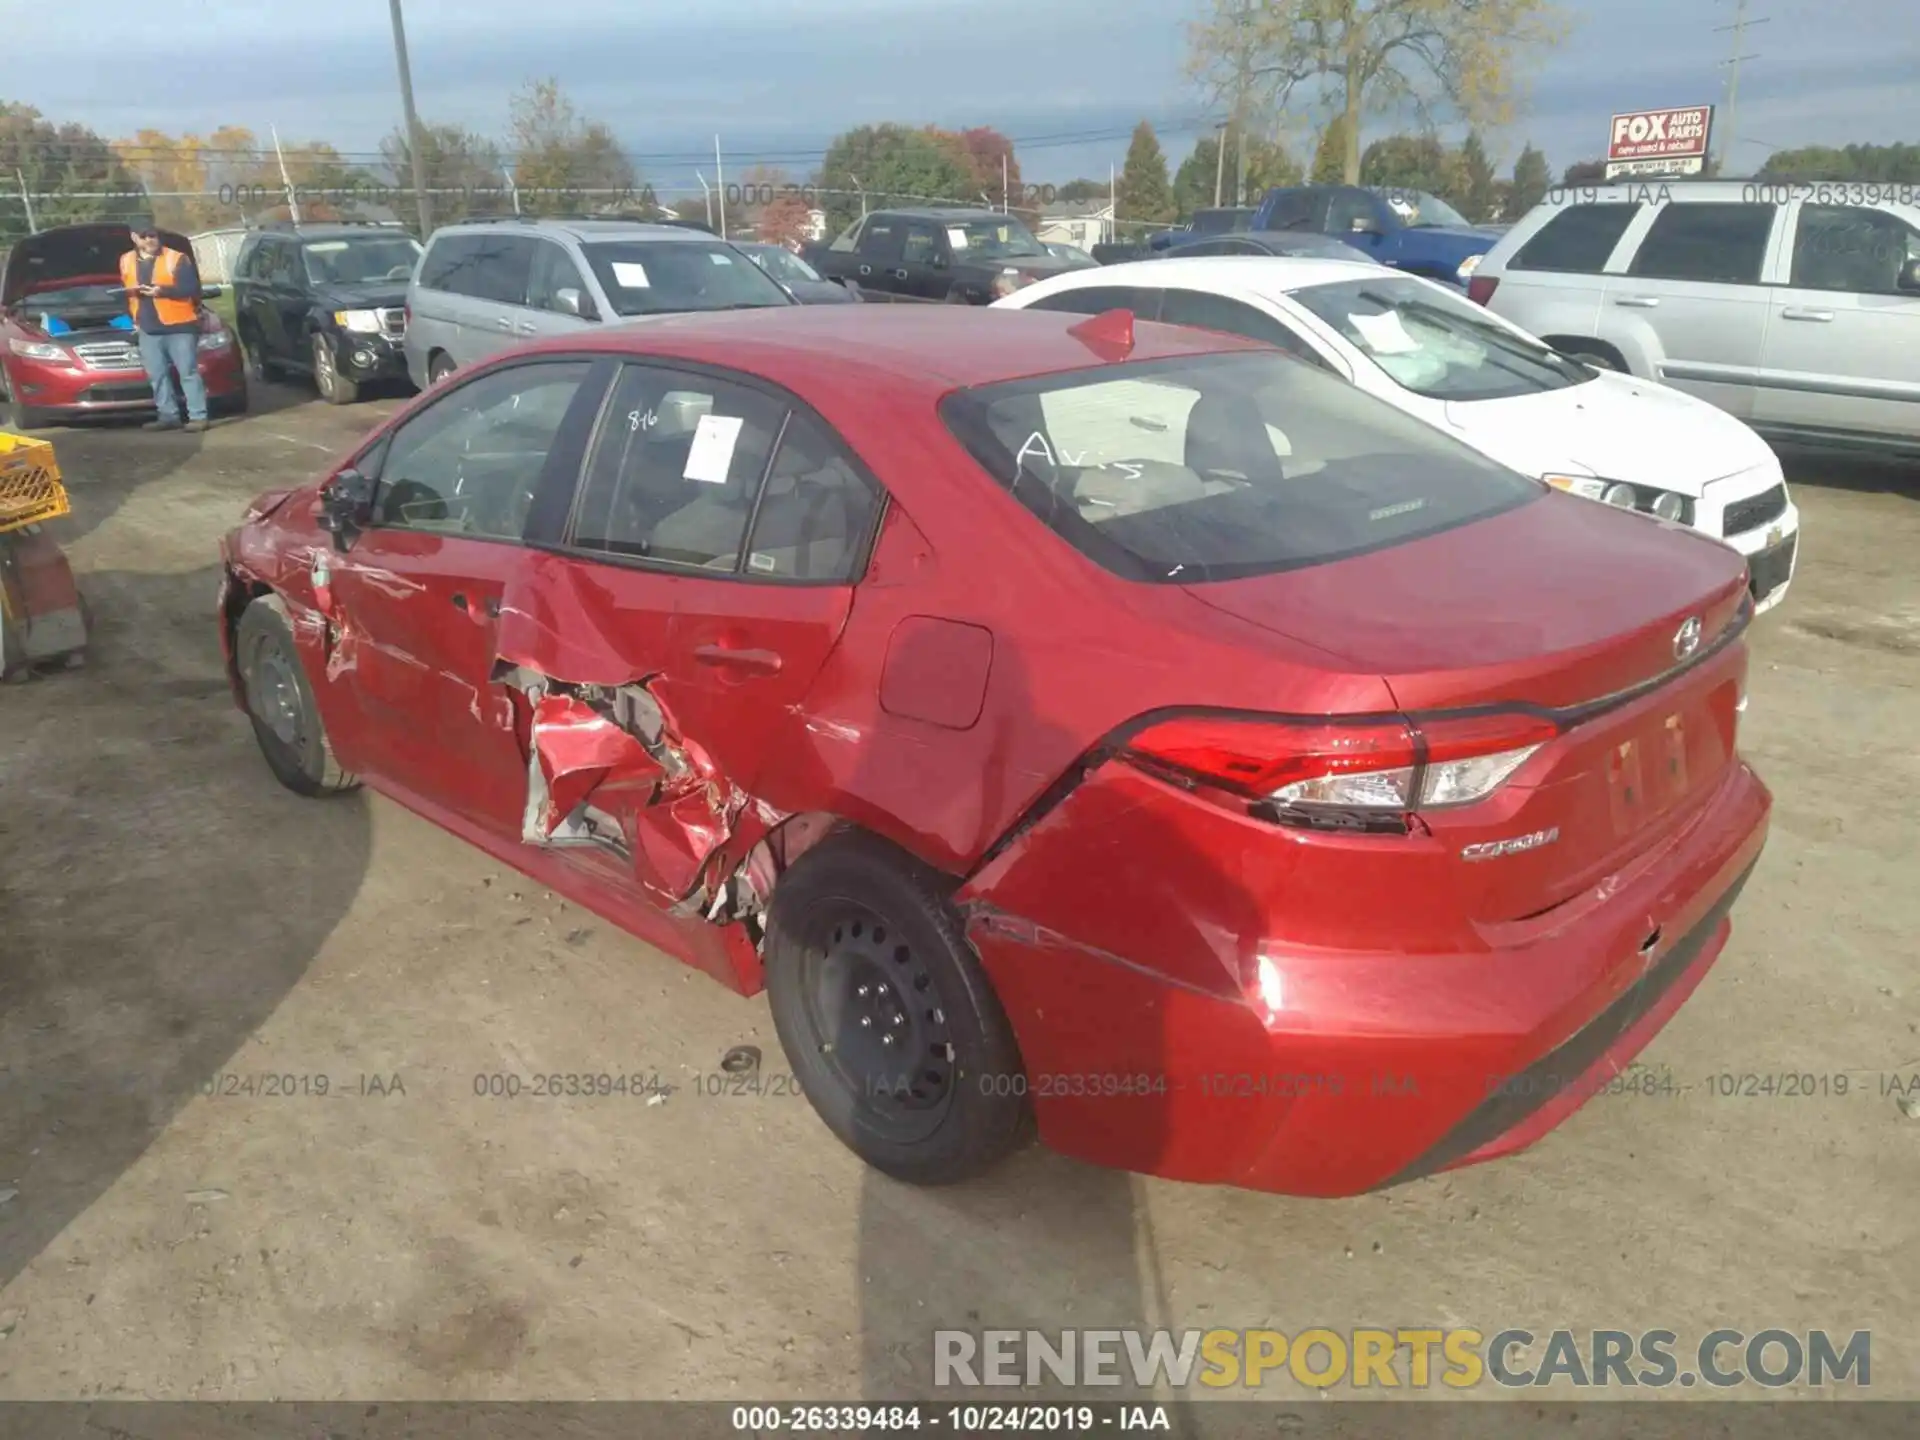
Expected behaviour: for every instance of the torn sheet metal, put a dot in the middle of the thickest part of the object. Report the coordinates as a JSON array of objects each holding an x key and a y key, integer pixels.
[{"x": 574, "y": 750}]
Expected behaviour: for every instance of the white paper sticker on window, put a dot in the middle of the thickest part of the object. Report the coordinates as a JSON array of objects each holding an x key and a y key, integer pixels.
[
  {"x": 711, "y": 455},
  {"x": 717, "y": 258},
  {"x": 1384, "y": 334},
  {"x": 956, "y": 237},
  {"x": 630, "y": 275}
]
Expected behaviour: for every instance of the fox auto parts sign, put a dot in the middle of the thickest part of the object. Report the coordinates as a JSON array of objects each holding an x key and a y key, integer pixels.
[{"x": 1660, "y": 142}]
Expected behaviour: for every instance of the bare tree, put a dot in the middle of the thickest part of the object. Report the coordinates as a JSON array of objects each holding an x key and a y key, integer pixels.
[{"x": 1358, "y": 58}]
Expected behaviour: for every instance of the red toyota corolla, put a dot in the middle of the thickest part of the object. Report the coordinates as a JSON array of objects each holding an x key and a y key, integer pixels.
[
  {"x": 67, "y": 345},
  {"x": 1132, "y": 730}
]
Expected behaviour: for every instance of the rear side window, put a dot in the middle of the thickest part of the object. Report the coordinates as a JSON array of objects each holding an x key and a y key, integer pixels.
[
  {"x": 1719, "y": 244},
  {"x": 1222, "y": 466},
  {"x": 444, "y": 259},
  {"x": 484, "y": 266},
  {"x": 1577, "y": 241},
  {"x": 1098, "y": 299}
]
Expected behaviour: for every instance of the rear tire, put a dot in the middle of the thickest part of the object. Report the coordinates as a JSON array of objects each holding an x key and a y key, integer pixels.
[
  {"x": 1596, "y": 353},
  {"x": 260, "y": 369},
  {"x": 862, "y": 944},
  {"x": 286, "y": 722}
]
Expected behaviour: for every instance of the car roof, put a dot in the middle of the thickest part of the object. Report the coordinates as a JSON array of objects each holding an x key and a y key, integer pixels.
[
  {"x": 581, "y": 229},
  {"x": 1252, "y": 274},
  {"x": 942, "y": 212},
  {"x": 908, "y": 350}
]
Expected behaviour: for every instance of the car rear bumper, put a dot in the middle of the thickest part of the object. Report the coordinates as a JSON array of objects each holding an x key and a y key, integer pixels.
[{"x": 1318, "y": 1071}]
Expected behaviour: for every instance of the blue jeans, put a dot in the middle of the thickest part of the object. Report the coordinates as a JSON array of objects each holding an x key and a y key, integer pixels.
[{"x": 178, "y": 352}]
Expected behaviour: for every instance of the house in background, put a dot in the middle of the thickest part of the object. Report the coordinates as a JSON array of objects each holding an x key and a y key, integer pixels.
[{"x": 1085, "y": 223}]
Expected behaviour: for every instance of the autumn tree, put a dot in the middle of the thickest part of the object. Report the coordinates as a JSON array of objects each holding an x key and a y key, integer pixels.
[
  {"x": 786, "y": 221},
  {"x": 1144, "y": 191},
  {"x": 559, "y": 157},
  {"x": 891, "y": 164},
  {"x": 749, "y": 193},
  {"x": 1357, "y": 59},
  {"x": 1531, "y": 181},
  {"x": 984, "y": 148},
  {"x": 66, "y": 168}
]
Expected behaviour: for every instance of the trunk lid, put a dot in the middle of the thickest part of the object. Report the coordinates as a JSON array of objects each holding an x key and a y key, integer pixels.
[{"x": 1562, "y": 604}]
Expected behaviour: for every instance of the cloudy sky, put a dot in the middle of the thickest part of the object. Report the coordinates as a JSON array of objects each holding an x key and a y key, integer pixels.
[{"x": 1067, "y": 80}]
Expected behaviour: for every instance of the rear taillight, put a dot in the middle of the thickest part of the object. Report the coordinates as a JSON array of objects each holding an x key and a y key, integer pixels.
[
  {"x": 1481, "y": 287},
  {"x": 1382, "y": 766}
]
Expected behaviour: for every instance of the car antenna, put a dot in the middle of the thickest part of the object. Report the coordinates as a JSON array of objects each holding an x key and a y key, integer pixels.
[{"x": 1108, "y": 334}]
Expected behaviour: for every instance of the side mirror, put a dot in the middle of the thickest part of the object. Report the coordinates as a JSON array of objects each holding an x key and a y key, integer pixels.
[
  {"x": 1909, "y": 276},
  {"x": 346, "y": 506},
  {"x": 571, "y": 302},
  {"x": 940, "y": 262}
]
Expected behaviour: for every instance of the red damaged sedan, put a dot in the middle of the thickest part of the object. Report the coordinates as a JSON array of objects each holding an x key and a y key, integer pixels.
[{"x": 1126, "y": 730}]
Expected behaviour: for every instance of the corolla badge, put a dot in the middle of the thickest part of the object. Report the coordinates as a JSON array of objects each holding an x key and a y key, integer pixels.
[
  {"x": 1686, "y": 639},
  {"x": 1489, "y": 849}
]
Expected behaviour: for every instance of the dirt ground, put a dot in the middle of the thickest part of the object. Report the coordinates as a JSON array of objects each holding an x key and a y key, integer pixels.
[{"x": 169, "y": 913}]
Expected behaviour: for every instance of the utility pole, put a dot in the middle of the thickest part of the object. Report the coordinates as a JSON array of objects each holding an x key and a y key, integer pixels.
[
  {"x": 293, "y": 204},
  {"x": 1219, "y": 160},
  {"x": 1242, "y": 77},
  {"x": 26, "y": 200},
  {"x": 414, "y": 147},
  {"x": 720, "y": 184},
  {"x": 1732, "y": 66}
]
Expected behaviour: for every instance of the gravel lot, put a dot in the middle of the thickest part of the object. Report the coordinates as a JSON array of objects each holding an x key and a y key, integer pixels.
[{"x": 167, "y": 913}]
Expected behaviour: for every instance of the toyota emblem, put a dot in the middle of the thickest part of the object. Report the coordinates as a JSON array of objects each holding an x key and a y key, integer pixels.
[{"x": 1686, "y": 639}]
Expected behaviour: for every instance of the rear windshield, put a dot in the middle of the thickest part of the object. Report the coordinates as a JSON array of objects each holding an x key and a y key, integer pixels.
[
  {"x": 1218, "y": 467},
  {"x": 1435, "y": 345},
  {"x": 653, "y": 277}
]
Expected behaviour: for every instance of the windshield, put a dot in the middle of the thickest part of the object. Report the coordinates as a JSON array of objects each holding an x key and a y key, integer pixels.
[
  {"x": 360, "y": 260},
  {"x": 1000, "y": 239},
  {"x": 1418, "y": 209},
  {"x": 783, "y": 264},
  {"x": 657, "y": 277},
  {"x": 1434, "y": 345},
  {"x": 1222, "y": 466}
]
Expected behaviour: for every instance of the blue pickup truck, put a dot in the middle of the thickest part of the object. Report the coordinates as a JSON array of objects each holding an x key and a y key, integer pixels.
[{"x": 1407, "y": 229}]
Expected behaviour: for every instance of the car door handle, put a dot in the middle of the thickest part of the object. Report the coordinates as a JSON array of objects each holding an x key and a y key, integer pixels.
[
  {"x": 525, "y": 327},
  {"x": 866, "y": 269},
  {"x": 899, "y": 274},
  {"x": 489, "y": 605},
  {"x": 1795, "y": 312},
  {"x": 1638, "y": 302},
  {"x": 504, "y": 323},
  {"x": 763, "y": 661}
]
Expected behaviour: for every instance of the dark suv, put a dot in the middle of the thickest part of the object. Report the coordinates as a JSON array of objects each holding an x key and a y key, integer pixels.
[{"x": 325, "y": 300}]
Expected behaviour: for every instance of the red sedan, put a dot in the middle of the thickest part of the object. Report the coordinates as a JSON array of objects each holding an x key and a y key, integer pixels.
[
  {"x": 1133, "y": 730},
  {"x": 67, "y": 345}
]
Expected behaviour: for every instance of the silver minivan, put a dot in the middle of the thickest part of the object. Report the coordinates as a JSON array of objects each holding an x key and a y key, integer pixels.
[
  {"x": 1792, "y": 305},
  {"x": 484, "y": 285}
]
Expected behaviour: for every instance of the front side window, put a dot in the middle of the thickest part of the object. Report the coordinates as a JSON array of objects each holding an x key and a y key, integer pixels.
[
  {"x": 676, "y": 468},
  {"x": 553, "y": 272},
  {"x": 1852, "y": 248},
  {"x": 1419, "y": 210},
  {"x": 660, "y": 277},
  {"x": 1437, "y": 346},
  {"x": 1217, "y": 467},
  {"x": 360, "y": 261},
  {"x": 782, "y": 264},
  {"x": 999, "y": 238},
  {"x": 1718, "y": 244},
  {"x": 470, "y": 462}
]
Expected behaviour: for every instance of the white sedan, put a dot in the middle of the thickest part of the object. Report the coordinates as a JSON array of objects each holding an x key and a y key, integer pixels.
[{"x": 1609, "y": 437}]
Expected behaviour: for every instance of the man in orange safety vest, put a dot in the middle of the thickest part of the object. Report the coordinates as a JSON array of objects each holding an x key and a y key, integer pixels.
[{"x": 163, "y": 296}]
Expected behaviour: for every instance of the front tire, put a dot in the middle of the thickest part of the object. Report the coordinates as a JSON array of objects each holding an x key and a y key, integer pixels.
[
  {"x": 334, "y": 388},
  {"x": 286, "y": 722},
  {"x": 14, "y": 415},
  {"x": 887, "y": 1016}
]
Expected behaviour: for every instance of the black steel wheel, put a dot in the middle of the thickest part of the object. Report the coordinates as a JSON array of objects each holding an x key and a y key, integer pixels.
[
  {"x": 887, "y": 1016},
  {"x": 286, "y": 722}
]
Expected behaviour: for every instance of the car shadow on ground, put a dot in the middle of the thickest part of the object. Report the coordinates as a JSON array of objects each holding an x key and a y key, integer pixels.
[
  {"x": 1843, "y": 470},
  {"x": 208, "y": 891},
  {"x": 1043, "y": 1242}
]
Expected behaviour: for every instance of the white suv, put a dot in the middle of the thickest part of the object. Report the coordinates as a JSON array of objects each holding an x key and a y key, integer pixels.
[{"x": 1794, "y": 306}]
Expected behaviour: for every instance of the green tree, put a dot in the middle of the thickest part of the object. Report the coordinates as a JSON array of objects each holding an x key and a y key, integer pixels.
[
  {"x": 1362, "y": 58},
  {"x": 1144, "y": 191},
  {"x": 60, "y": 163},
  {"x": 462, "y": 171},
  {"x": 1081, "y": 190},
  {"x": 561, "y": 161},
  {"x": 1405, "y": 162},
  {"x": 1584, "y": 172},
  {"x": 1193, "y": 181},
  {"x": 892, "y": 165},
  {"x": 1268, "y": 165},
  {"x": 1330, "y": 156},
  {"x": 1868, "y": 164},
  {"x": 1475, "y": 184},
  {"x": 1531, "y": 181}
]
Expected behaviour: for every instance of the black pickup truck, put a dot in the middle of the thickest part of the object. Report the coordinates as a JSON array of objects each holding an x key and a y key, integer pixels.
[{"x": 936, "y": 255}]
